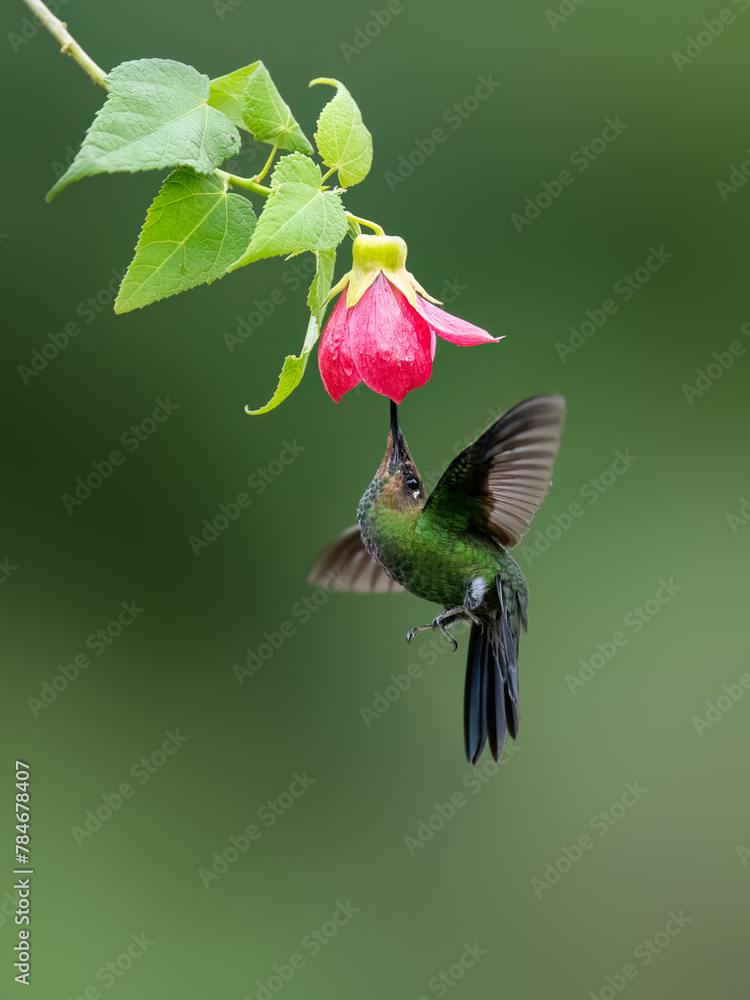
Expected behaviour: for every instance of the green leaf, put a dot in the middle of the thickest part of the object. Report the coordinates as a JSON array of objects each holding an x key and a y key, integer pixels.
[
  {"x": 343, "y": 141},
  {"x": 296, "y": 169},
  {"x": 321, "y": 283},
  {"x": 297, "y": 216},
  {"x": 193, "y": 230},
  {"x": 269, "y": 118},
  {"x": 291, "y": 372},
  {"x": 156, "y": 115},
  {"x": 228, "y": 93}
]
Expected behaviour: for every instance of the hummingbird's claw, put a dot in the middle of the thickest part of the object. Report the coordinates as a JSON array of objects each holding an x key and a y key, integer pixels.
[
  {"x": 436, "y": 624},
  {"x": 415, "y": 631}
]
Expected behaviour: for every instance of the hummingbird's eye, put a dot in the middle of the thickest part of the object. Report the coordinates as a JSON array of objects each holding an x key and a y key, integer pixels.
[{"x": 412, "y": 483}]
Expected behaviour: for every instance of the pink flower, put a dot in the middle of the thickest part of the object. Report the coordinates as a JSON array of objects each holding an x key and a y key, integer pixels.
[{"x": 382, "y": 331}]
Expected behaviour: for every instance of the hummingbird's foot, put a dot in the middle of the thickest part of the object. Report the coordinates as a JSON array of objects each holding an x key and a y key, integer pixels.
[
  {"x": 440, "y": 623},
  {"x": 433, "y": 625},
  {"x": 456, "y": 613},
  {"x": 436, "y": 624}
]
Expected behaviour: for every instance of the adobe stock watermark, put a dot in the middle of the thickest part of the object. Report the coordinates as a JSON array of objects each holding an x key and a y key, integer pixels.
[
  {"x": 9, "y": 906},
  {"x": 366, "y": 33},
  {"x": 301, "y": 611},
  {"x": 60, "y": 166},
  {"x": 451, "y": 290},
  {"x": 30, "y": 27},
  {"x": 298, "y": 275},
  {"x": 564, "y": 11},
  {"x": 735, "y": 521},
  {"x": 267, "y": 814},
  {"x": 250, "y": 152},
  {"x": 98, "y": 642},
  {"x": 131, "y": 440},
  {"x": 601, "y": 823},
  {"x": 224, "y": 7},
  {"x": 431, "y": 479},
  {"x": 581, "y": 158},
  {"x": 258, "y": 481},
  {"x": 7, "y": 569},
  {"x": 722, "y": 362},
  {"x": 591, "y": 491},
  {"x": 109, "y": 973},
  {"x": 710, "y": 30},
  {"x": 443, "y": 981},
  {"x": 644, "y": 953},
  {"x": 57, "y": 341},
  {"x": 454, "y": 116},
  {"x": 633, "y": 623},
  {"x": 474, "y": 781},
  {"x": 401, "y": 683},
  {"x": 141, "y": 772},
  {"x": 738, "y": 175},
  {"x": 624, "y": 289},
  {"x": 312, "y": 943},
  {"x": 716, "y": 710}
]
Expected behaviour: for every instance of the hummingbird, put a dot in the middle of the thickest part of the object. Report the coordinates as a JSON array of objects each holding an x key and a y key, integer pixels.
[{"x": 452, "y": 548}]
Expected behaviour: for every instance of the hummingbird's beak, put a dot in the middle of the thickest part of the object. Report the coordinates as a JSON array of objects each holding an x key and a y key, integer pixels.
[{"x": 399, "y": 445}]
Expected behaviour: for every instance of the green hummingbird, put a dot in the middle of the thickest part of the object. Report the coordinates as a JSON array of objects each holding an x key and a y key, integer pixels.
[{"x": 453, "y": 548}]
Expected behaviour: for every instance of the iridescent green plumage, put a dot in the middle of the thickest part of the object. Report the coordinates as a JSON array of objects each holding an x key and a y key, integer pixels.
[
  {"x": 452, "y": 548},
  {"x": 424, "y": 552}
]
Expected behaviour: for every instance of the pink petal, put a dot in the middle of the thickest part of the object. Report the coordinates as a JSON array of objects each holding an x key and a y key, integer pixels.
[
  {"x": 390, "y": 342},
  {"x": 451, "y": 328},
  {"x": 337, "y": 368}
]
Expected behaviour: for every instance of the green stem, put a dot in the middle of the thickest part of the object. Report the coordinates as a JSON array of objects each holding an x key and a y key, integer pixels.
[
  {"x": 259, "y": 177},
  {"x": 379, "y": 231},
  {"x": 71, "y": 47},
  {"x": 232, "y": 180},
  {"x": 327, "y": 175},
  {"x": 68, "y": 44}
]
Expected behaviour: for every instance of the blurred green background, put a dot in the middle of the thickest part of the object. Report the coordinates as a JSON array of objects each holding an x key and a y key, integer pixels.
[{"x": 674, "y": 847}]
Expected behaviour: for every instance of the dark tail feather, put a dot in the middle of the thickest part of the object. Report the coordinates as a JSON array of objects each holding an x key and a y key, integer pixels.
[
  {"x": 491, "y": 692},
  {"x": 496, "y": 707},
  {"x": 475, "y": 694},
  {"x": 509, "y": 655},
  {"x": 485, "y": 697}
]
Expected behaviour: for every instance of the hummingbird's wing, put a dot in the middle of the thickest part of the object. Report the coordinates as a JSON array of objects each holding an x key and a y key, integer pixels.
[
  {"x": 499, "y": 482},
  {"x": 347, "y": 565}
]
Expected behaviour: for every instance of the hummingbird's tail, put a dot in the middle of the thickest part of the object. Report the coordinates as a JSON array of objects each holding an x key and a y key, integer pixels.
[{"x": 491, "y": 692}]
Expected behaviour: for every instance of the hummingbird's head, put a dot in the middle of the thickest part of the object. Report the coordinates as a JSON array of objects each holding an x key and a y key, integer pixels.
[{"x": 402, "y": 484}]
